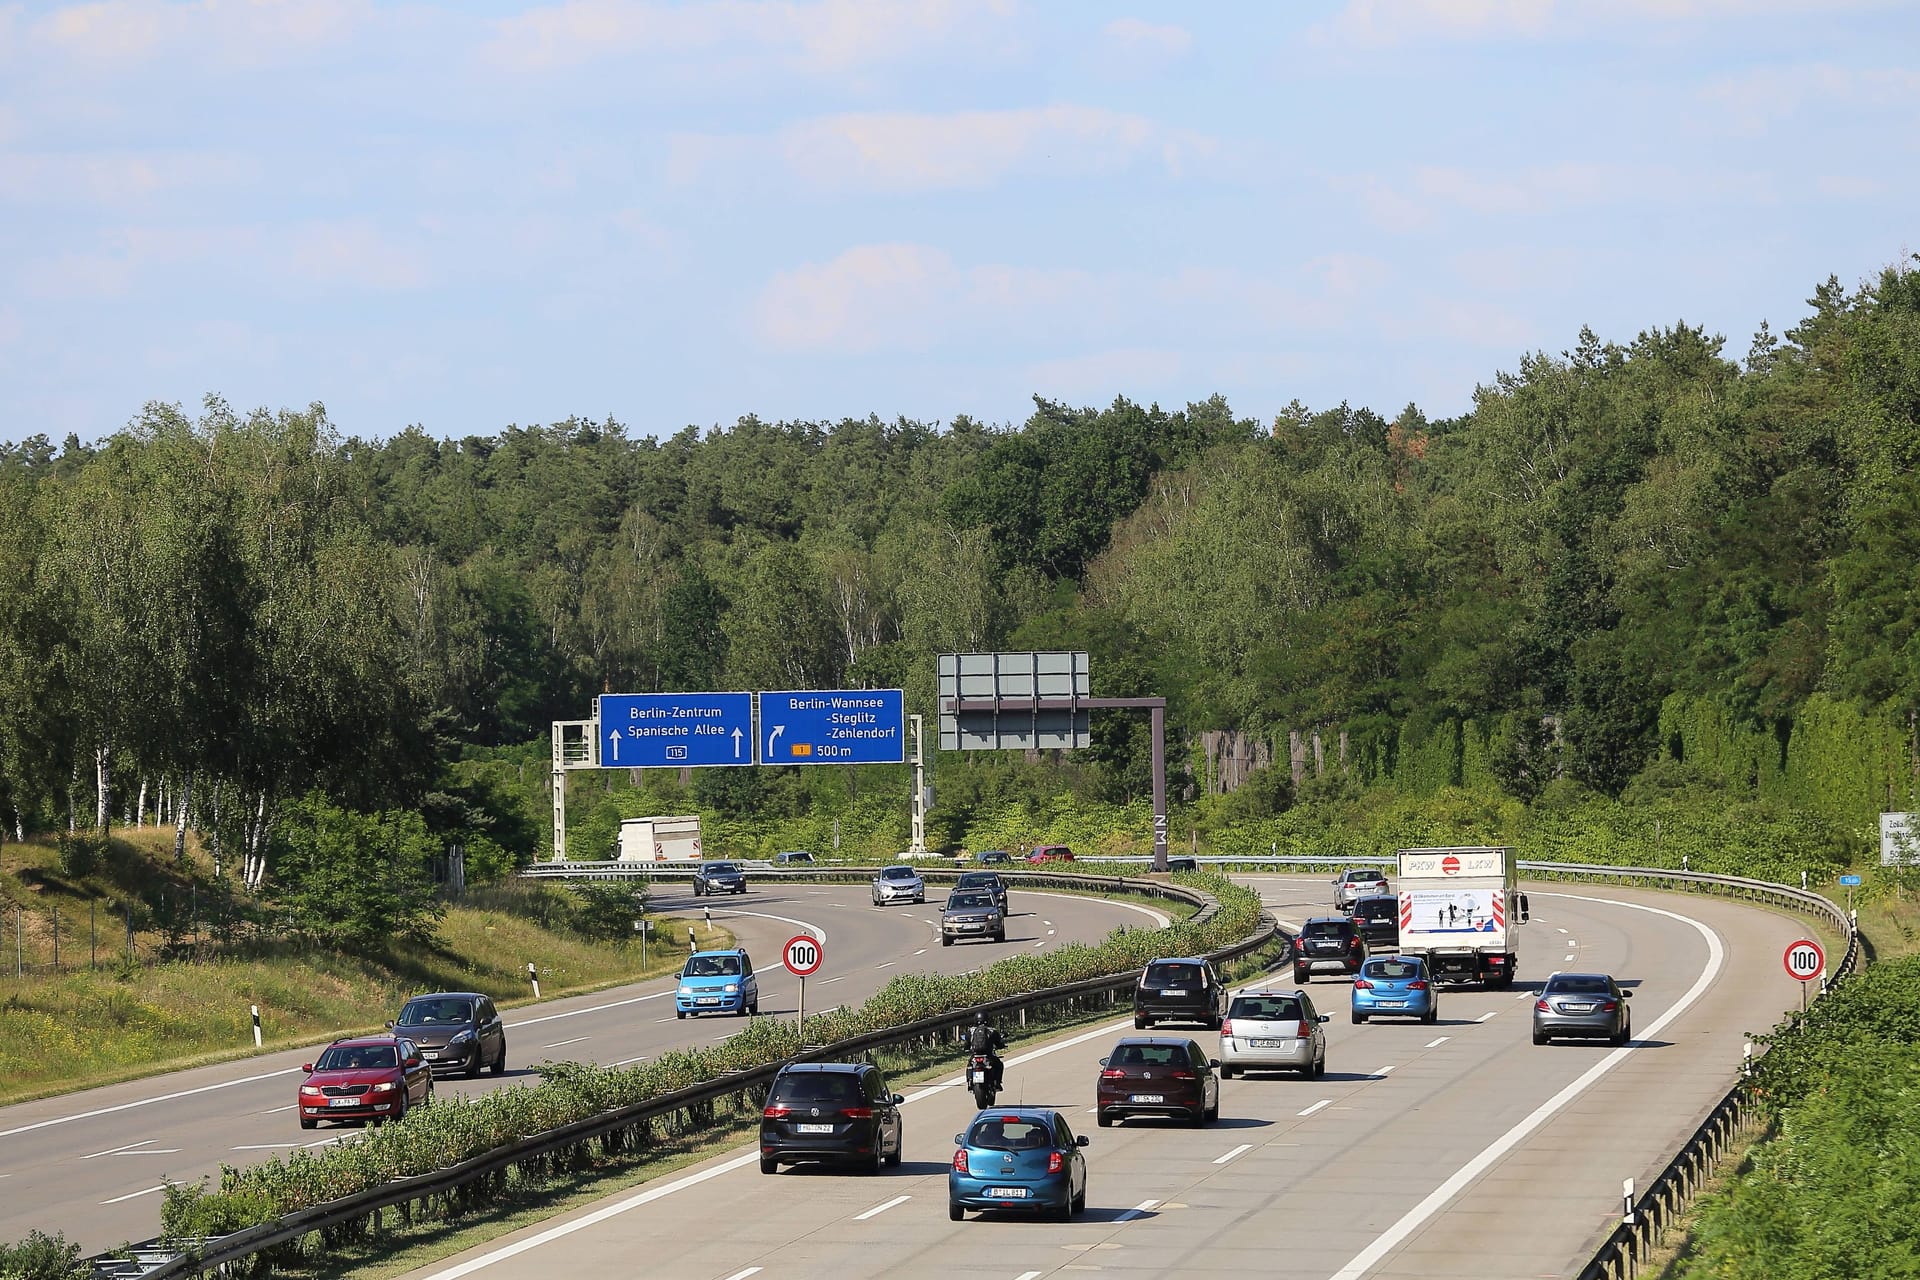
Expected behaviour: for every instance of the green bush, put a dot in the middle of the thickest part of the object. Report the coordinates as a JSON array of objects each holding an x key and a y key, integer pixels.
[{"x": 42, "y": 1257}]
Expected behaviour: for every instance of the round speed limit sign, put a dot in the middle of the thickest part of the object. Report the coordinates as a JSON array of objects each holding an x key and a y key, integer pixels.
[
  {"x": 803, "y": 955},
  {"x": 1804, "y": 959}
]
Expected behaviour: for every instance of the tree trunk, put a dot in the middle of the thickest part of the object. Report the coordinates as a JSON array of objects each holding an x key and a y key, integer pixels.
[
  {"x": 140, "y": 805},
  {"x": 180, "y": 824},
  {"x": 102, "y": 790}
]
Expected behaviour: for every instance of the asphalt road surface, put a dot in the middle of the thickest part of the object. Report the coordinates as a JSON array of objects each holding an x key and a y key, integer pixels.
[
  {"x": 92, "y": 1164},
  {"x": 1456, "y": 1150}
]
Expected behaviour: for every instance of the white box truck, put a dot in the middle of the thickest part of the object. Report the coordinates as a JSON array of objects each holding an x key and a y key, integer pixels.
[
  {"x": 660, "y": 839},
  {"x": 1461, "y": 908}
]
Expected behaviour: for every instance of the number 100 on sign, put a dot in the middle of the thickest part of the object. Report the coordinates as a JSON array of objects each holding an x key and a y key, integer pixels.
[
  {"x": 1805, "y": 960},
  {"x": 803, "y": 955}
]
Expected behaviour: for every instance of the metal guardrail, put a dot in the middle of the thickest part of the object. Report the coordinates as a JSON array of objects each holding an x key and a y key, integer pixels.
[
  {"x": 625, "y": 1126},
  {"x": 1618, "y": 1257}
]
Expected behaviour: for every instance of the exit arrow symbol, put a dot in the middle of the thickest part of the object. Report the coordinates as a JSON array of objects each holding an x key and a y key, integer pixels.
[
  {"x": 613, "y": 742},
  {"x": 736, "y": 742},
  {"x": 774, "y": 737}
]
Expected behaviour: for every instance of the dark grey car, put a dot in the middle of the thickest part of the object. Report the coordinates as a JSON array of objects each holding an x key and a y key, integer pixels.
[
  {"x": 719, "y": 877},
  {"x": 1591, "y": 1005},
  {"x": 987, "y": 880},
  {"x": 455, "y": 1031},
  {"x": 971, "y": 913},
  {"x": 1378, "y": 918}
]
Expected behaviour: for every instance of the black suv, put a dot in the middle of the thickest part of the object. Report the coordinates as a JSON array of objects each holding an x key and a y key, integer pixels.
[
  {"x": 839, "y": 1112},
  {"x": 1180, "y": 989},
  {"x": 456, "y": 1031},
  {"x": 1328, "y": 942},
  {"x": 719, "y": 877},
  {"x": 988, "y": 880},
  {"x": 1378, "y": 916}
]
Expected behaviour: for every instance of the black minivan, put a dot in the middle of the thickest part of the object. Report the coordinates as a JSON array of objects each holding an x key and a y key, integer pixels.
[
  {"x": 1180, "y": 989},
  {"x": 1378, "y": 916},
  {"x": 838, "y": 1112}
]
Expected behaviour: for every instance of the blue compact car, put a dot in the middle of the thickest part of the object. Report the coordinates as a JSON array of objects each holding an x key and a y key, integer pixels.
[
  {"x": 1020, "y": 1158},
  {"x": 717, "y": 982},
  {"x": 1396, "y": 986}
]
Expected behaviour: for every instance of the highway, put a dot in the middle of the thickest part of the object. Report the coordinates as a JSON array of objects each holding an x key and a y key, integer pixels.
[
  {"x": 92, "y": 1164},
  {"x": 1456, "y": 1150}
]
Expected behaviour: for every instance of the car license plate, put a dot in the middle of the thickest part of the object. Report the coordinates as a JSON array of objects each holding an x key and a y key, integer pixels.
[
  {"x": 1392, "y": 1004},
  {"x": 813, "y": 1128},
  {"x": 429, "y": 1054},
  {"x": 343, "y": 1102},
  {"x": 1149, "y": 1097},
  {"x": 1007, "y": 1193},
  {"x": 708, "y": 1000},
  {"x": 1270, "y": 1044},
  {"x": 1577, "y": 1008},
  {"x": 1174, "y": 991}
]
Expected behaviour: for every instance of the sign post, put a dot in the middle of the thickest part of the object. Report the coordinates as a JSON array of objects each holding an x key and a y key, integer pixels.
[
  {"x": 803, "y": 954},
  {"x": 1849, "y": 882},
  {"x": 1804, "y": 961}
]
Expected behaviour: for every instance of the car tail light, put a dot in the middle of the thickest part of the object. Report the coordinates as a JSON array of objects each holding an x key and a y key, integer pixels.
[
  {"x": 1055, "y": 1161},
  {"x": 1541, "y": 1006},
  {"x": 1180, "y": 1075},
  {"x": 857, "y": 1113},
  {"x": 1416, "y": 986},
  {"x": 960, "y": 1161},
  {"x": 1354, "y": 942},
  {"x": 1361, "y": 984},
  {"x": 1610, "y": 1006},
  {"x": 1299, "y": 944},
  {"x": 1113, "y": 1073},
  {"x": 1494, "y": 962},
  {"x": 774, "y": 1111},
  {"x": 1306, "y": 1029},
  {"x": 1226, "y": 1026}
]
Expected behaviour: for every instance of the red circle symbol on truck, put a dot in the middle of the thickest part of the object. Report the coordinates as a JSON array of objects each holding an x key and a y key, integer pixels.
[{"x": 1450, "y": 866}]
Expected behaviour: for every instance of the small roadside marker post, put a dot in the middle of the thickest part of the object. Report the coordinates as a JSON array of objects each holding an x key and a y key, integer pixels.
[
  {"x": 256, "y": 1024},
  {"x": 533, "y": 976}
]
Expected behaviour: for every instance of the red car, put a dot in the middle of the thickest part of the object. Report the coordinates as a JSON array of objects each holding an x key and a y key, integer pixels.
[
  {"x": 371, "y": 1078},
  {"x": 1050, "y": 853}
]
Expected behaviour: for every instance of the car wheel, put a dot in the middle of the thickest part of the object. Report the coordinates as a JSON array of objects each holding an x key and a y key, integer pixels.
[
  {"x": 899, "y": 1147},
  {"x": 394, "y": 1117},
  {"x": 1302, "y": 977},
  {"x": 500, "y": 1059},
  {"x": 1197, "y": 1117},
  {"x": 1539, "y": 1037},
  {"x": 1226, "y": 1073},
  {"x": 954, "y": 1212},
  {"x": 427, "y": 1101},
  {"x": 473, "y": 1068},
  {"x": 1065, "y": 1212},
  {"x": 1213, "y": 1024},
  {"x": 1358, "y": 1017},
  {"x": 879, "y": 1161},
  {"x": 1000, "y": 936},
  {"x": 741, "y": 892},
  {"x": 754, "y": 1009},
  {"x": 1080, "y": 1201},
  {"x": 1212, "y": 1113},
  {"x": 945, "y": 941},
  {"x": 1139, "y": 1022},
  {"x": 1104, "y": 1120},
  {"x": 768, "y": 1165},
  {"x": 696, "y": 888},
  {"x": 1431, "y": 1016},
  {"x": 308, "y": 1124},
  {"x": 679, "y": 1013}
]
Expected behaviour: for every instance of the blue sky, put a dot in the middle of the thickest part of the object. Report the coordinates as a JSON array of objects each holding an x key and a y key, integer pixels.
[{"x": 472, "y": 215}]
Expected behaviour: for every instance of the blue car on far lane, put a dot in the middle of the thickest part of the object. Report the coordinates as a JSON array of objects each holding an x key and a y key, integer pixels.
[
  {"x": 1020, "y": 1158},
  {"x": 1399, "y": 986}
]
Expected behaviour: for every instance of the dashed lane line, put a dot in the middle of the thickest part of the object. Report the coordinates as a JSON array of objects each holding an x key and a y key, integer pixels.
[
  {"x": 1240, "y": 1150},
  {"x": 1324, "y": 1102},
  {"x": 879, "y": 1209}
]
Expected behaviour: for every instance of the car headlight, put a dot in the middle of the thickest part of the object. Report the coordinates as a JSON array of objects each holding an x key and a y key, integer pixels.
[
  {"x": 465, "y": 1037},
  {"x": 310, "y": 1090},
  {"x": 686, "y": 991},
  {"x": 731, "y": 988},
  {"x": 385, "y": 1086}
]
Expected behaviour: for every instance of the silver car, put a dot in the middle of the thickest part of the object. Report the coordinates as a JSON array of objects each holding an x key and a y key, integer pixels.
[
  {"x": 898, "y": 884},
  {"x": 1356, "y": 883},
  {"x": 1272, "y": 1031},
  {"x": 1582, "y": 1004}
]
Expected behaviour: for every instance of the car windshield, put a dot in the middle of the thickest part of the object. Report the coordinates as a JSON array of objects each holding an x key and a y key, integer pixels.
[
  {"x": 1266, "y": 1008},
  {"x": 1375, "y": 909},
  {"x": 364, "y": 1057},
  {"x": 722, "y": 868},
  {"x": 977, "y": 880},
  {"x": 816, "y": 1086},
  {"x": 969, "y": 901},
  {"x": 1148, "y": 1055},
  {"x": 1010, "y": 1133},
  {"x": 1585, "y": 984},
  {"x": 796, "y": 857},
  {"x": 1173, "y": 975},
  {"x": 713, "y": 967},
  {"x": 433, "y": 1013},
  {"x": 993, "y": 855},
  {"x": 897, "y": 873},
  {"x": 1324, "y": 928},
  {"x": 1363, "y": 877},
  {"x": 1392, "y": 970}
]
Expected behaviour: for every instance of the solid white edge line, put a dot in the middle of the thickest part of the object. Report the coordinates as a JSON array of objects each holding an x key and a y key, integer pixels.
[
  {"x": 127, "y": 1106},
  {"x": 814, "y": 929},
  {"x": 1166, "y": 921},
  {"x": 1240, "y": 1150},
  {"x": 879, "y": 1209},
  {"x": 1437, "y": 1199},
  {"x": 135, "y": 1195},
  {"x": 574, "y": 1013},
  {"x": 1136, "y": 1211}
]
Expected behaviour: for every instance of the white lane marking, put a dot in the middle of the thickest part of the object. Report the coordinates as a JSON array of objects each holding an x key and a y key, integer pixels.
[
  {"x": 1051, "y": 932},
  {"x": 825, "y": 981},
  {"x": 1165, "y": 920},
  {"x": 1568, "y": 958},
  {"x": 1240, "y": 1150},
  {"x": 291, "y": 1106},
  {"x": 114, "y": 1151},
  {"x": 742, "y": 1275},
  {"x": 1524, "y": 995},
  {"x": 1046, "y": 922},
  {"x": 1483, "y": 1017},
  {"x": 1324, "y": 1102},
  {"x": 626, "y": 1062},
  {"x": 151, "y": 1151},
  {"x": 1028, "y": 1275},
  {"x": 1435, "y": 1044},
  {"x": 1437, "y": 1199},
  {"x": 1563, "y": 931},
  {"x": 1382, "y": 1071},
  {"x": 879, "y": 1209},
  {"x": 814, "y": 929},
  {"x": 267, "y": 1146},
  {"x": 598, "y": 1008},
  {"x": 1136, "y": 1211},
  {"x": 887, "y": 965},
  {"x": 922, "y": 951},
  {"x": 658, "y": 1021},
  {"x": 1041, "y": 943},
  {"x": 135, "y": 1195},
  {"x": 560, "y": 1044},
  {"x": 1572, "y": 943},
  {"x": 126, "y": 1106},
  {"x": 322, "y": 1143}
]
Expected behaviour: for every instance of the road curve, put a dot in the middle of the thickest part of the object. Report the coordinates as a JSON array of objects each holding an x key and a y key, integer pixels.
[
  {"x": 1456, "y": 1150},
  {"x": 91, "y": 1164}
]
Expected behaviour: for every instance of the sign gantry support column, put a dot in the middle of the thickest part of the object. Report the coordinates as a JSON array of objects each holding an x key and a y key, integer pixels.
[{"x": 919, "y": 844}]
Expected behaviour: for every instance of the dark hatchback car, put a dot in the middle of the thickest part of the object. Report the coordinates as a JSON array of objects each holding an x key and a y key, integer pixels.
[
  {"x": 993, "y": 855},
  {"x": 1157, "y": 1076},
  {"x": 834, "y": 1112},
  {"x": 1179, "y": 989},
  {"x": 987, "y": 880},
  {"x": 719, "y": 877},
  {"x": 365, "y": 1078},
  {"x": 456, "y": 1031},
  {"x": 1379, "y": 919},
  {"x": 1328, "y": 942}
]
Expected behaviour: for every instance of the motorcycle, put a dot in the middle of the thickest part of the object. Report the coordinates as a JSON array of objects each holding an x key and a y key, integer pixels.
[{"x": 980, "y": 1080}]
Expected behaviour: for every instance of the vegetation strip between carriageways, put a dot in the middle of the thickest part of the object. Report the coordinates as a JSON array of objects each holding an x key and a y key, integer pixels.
[{"x": 453, "y": 1155}]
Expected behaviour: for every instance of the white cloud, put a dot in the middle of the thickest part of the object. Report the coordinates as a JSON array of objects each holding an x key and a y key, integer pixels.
[
  {"x": 1376, "y": 23},
  {"x": 820, "y": 37},
  {"x": 350, "y": 255},
  {"x": 250, "y": 32},
  {"x": 355, "y": 254},
  {"x": 1754, "y": 101},
  {"x": 1135, "y": 34},
  {"x": 1418, "y": 202}
]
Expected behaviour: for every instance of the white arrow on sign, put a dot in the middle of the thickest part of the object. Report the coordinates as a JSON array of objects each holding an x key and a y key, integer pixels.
[
  {"x": 736, "y": 742},
  {"x": 613, "y": 742},
  {"x": 773, "y": 737}
]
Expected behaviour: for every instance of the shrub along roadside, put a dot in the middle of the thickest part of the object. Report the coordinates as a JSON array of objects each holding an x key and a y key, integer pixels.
[{"x": 459, "y": 1129}]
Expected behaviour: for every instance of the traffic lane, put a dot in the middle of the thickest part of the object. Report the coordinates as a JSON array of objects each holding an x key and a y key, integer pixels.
[
  {"x": 1396, "y": 1116},
  {"x": 98, "y": 1176}
]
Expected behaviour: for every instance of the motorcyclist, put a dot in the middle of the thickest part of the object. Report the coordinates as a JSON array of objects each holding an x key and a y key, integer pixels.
[{"x": 984, "y": 1039}]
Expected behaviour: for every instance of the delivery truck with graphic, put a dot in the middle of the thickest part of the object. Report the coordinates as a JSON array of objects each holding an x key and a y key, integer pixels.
[{"x": 1462, "y": 909}]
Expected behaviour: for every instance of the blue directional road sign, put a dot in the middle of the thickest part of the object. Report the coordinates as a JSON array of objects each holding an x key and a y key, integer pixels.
[
  {"x": 836, "y": 726},
  {"x": 1849, "y": 881},
  {"x": 675, "y": 730}
]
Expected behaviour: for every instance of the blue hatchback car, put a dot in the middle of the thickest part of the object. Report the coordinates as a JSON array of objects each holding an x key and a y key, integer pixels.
[
  {"x": 1397, "y": 986},
  {"x": 1021, "y": 1158},
  {"x": 717, "y": 982}
]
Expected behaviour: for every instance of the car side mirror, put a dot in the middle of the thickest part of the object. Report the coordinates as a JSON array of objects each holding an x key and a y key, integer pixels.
[
  {"x": 1626, "y": 995},
  {"x": 1213, "y": 1062},
  {"x": 1326, "y": 1017},
  {"x": 959, "y": 1139},
  {"x": 414, "y": 1061},
  {"x": 307, "y": 1067},
  {"x": 389, "y": 1024},
  {"x": 899, "y": 1099},
  {"x": 1103, "y": 1062},
  {"x": 1524, "y": 915},
  {"x": 1080, "y": 1141}
]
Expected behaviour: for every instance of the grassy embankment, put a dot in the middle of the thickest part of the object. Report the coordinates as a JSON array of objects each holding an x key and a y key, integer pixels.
[{"x": 84, "y": 1025}]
